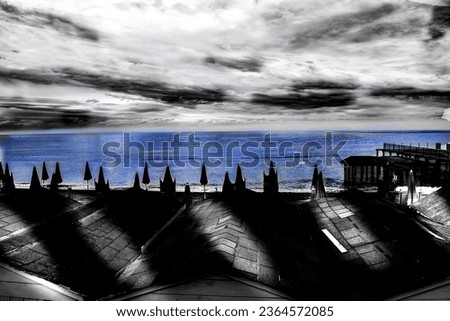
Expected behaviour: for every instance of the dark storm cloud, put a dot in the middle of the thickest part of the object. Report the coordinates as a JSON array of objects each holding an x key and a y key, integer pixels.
[
  {"x": 8, "y": 75},
  {"x": 440, "y": 18},
  {"x": 306, "y": 100},
  {"x": 385, "y": 30},
  {"x": 144, "y": 108},
  {"x": 323, "y": 84},
  {"x": 341, "y": 24},
  {"x": 413, "y": 93},
  {"x": 148, "y": 89},
  {"x": 247, "y": 64},
  {"x": 23, "y": 115},
  {"x": 311, "y": 95},
  {"x": 440, "y": 22},
  {"x": 8, "y": 8},
  {"x": 67, "y": 26},
  {"x": 35, "y": 18},
  {"x": 36, "y": 100}
]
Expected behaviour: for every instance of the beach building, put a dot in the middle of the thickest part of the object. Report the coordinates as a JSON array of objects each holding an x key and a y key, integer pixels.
[{"x": 392, "y": 164}]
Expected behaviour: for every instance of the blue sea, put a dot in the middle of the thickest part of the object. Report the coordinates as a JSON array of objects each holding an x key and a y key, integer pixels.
[{"x": 123, "y": 154}]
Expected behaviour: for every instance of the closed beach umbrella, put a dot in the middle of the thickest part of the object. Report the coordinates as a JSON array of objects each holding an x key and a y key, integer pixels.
[
  {"x": 101, "y": 176},
  {"x": 239, "y": 184},
  {"x": 204, "y": 180},
  {"x": 271, "y": 180},
  {"x": 7, "y": 180},
  {"x": 87, "y": 172},
  {"x": 44, "y": 175},
  {"x": 320, "y": 187},
  {"x": 87, "y": 175},
  {"x": 412, "y": 194},
  {"x": 101, "y": 185},
  {"x": 187, "y": 194},
  {"x": 145, "y": 176},
  {"x": 167, "y": 175},
  {"x": 11, "y": 187},
  {"x": 136, "y": 184},
  {"x": 54, "y": 183},
  {"x": 227, "y": 186},
  {"x": 167, "y": 185},
  {"x": 35, "y": 184},
  {"x": 315, "y": 176},
  {"x": 6, "y": 174},
  {"x": 58, "y": 176}
]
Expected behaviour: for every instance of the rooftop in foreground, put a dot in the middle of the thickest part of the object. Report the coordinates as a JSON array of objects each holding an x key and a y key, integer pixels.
[{"x": 135, "y": 245}]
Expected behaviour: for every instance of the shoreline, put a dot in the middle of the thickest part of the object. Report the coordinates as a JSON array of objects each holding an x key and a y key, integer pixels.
[{"x": 180, "y": 189}]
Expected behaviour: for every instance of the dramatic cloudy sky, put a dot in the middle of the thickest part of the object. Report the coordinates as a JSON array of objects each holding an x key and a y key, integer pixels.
[{"x": 224, "y": 64}]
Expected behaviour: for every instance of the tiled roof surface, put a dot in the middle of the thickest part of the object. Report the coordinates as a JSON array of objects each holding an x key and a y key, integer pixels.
[
  {"x": 18, "y": 286},
  {"x": 214, "y": 287},
  {"x": 392, "y": 252},
  {"x": 436, "y": 206},
  {"x": 276, "y": 245},
  {"x": 435, "y": 212},
  {"x": 350, "y": 245},
  {"x": 79, "y": 244},
  {"x": 259, "y": 240}
]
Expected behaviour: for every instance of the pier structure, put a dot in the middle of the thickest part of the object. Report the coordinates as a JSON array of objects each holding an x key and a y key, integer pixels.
[{"x": 392, "y": 163}]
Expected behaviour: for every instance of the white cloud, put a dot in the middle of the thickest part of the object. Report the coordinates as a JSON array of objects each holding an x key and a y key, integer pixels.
[{"x": 168, "y": 42}]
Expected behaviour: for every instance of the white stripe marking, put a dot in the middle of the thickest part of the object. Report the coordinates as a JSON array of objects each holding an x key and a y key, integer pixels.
[{"x": 334, "y": 241}]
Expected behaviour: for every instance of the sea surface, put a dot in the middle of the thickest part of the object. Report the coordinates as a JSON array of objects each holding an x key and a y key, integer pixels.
[{"x": 123, "y": 154}]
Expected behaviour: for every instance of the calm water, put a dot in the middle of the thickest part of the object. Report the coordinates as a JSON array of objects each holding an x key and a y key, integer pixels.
[{"x": 294, "y": 153}]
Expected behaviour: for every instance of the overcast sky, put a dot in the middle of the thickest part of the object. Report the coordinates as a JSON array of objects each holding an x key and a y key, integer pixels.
[{"x": 224, "y": 64}]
